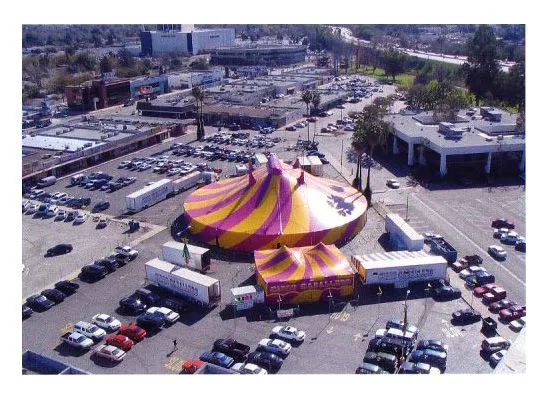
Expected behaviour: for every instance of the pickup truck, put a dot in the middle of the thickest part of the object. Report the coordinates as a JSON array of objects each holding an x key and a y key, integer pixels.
[
  {"x": 77, "y": 340},
  {"x": 232, "y": 348}
]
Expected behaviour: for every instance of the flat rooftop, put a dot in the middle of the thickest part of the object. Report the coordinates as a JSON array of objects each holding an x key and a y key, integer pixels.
[
  {"x": 58, "y": 143},
  {"x": 478, "y": 134}
]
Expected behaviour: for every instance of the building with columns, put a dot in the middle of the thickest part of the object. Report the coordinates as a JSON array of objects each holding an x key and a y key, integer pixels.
[{"x": 474, "y": 142}]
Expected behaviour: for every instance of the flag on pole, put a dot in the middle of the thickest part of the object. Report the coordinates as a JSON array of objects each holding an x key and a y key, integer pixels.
[{"x": 186, "y": 254}]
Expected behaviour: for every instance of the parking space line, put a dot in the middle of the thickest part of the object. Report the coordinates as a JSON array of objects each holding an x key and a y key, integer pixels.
[
  {"x": 174, "y": 364},
  {"x": 466, "y": 237},
  {"x": 67, "y": 328}
]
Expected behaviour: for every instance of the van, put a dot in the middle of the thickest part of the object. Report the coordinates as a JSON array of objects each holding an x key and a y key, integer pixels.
[
  {"x": 401, "y": 335},
  {"x": 76, "y": 179},
  {"x": 494, "y": 344},
  {"x": 48, "y": 181}
]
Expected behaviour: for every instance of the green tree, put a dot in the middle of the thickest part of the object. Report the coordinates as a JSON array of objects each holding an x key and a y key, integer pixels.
[
  {"x": 393, "y": 62},
  {"x": 307, "y": 97},
  {"x": 125, "y": 58},
  {"x": 371, "y": 131},
  {"x": 84, "y": 61},
  {"x": 482, "y": 67},
  {"x": 107, "y": 64},
  {"x": 198, "y": 93},
  {"x": 316, "y": 100},
  {"x": 199, "y": 64}
]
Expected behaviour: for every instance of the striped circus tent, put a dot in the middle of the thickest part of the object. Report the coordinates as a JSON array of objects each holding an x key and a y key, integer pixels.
[
  {"x": 303, "y": 274},
  {"x": 272, "y": 206}
]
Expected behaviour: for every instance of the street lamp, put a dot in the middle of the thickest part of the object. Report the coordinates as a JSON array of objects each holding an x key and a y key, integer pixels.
[
  {"x": 426, "y": 290},
  {"x": 405, "y": 322},
  {"x": 407, "y": 212},
  {"x": 379, "y": 294}
]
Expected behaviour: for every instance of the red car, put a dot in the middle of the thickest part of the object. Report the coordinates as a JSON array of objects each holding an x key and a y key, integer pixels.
[
  {"x": 494, "y": 294},
  {"x": 191, "y": 366},
  {"x": 481, "y": 290},
  {"x": 134, "y": 332},
  {"x": 502, "y": 304},
  {"x": 512, "y": 313},
  {"x": 120, "y": 341}
]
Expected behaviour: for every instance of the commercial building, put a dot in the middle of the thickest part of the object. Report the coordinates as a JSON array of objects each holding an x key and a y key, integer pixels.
[
  {"x": 476, "y": 143},
  {"x": 149, "y": 85},
  {"x": 97, "y": 93},
  {"x": 40, "y": 364},
  {"x": 64, "y": 149},
  {"x": 184, "y": 39},
  {"x": 268, "y": 55}
]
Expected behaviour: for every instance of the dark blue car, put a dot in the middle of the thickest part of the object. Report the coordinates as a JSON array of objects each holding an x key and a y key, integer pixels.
[{"x": 217, "y": 358}]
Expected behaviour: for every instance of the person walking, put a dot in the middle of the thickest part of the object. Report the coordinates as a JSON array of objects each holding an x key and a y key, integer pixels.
[{"x": 175, "y": 344}]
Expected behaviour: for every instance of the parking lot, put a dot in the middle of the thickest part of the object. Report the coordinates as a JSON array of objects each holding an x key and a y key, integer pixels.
[{"x": 337, "y": 335}]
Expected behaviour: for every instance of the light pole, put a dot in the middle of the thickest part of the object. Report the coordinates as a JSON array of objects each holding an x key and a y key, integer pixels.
[
  {"x": 405, "y": 322},
  {"x": 342, "y": 155},
  {"x": 426, "y": 290},
  {"x": 379, "y": 294},
  {"x": 407, "y": 212}
]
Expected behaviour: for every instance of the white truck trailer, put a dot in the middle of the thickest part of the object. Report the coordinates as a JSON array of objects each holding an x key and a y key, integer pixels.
[
  {"x": 191, "y": 285},
  {"x": 399, "y": 268},
  {"x": 187, "y": 181},
  {"x": 149, "y": 195},
  {"x": 172, "y": 252},
  {"x": 402, "y": 235}
]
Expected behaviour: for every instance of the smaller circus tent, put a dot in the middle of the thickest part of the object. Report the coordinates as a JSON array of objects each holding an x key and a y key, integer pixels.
[{"x": 303, "y": 274}]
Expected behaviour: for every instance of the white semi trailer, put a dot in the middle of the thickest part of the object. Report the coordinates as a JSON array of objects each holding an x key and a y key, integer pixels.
[
  {"x": 183, "y": 282},
  {"x": 149, "y": 195}
]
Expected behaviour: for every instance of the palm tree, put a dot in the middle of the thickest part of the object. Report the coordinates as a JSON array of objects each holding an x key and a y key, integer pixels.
[
  {"x": 307, "y": 97},
  {"x": 316, "y": 100},
  {"x": 198, "y": 93},
  {"x": 370, "y": 132}
]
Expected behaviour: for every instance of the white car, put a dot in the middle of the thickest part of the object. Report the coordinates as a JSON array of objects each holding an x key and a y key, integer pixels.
[
  {"x": 497, "y": 252},
  {"x": 380, "y": 332},
  {"x": 26, "y": 204},
  {"x": 35, "y": 193},
  {"x": 61, "y": 215},
  {"x": 466, "y": 272},
  {"x": 393, "y": 183},
  {"x": 495, "y": 358},
  {"x": 32, "y": 209},
  {"x": 127, "y": 251},
  {"x": 124, "y": 164},
  {"x": 174, "y": 171},
  {"x": 90, "y": 330},
  {"x": 288, "y": 333},
  {"x": 167, "y": 315},
  {"x": 431, "y": 235},
  {"x": 52, "y": 211},
  {"x": 248, "y": 369},
  {"x": 518, "y": 324},
  {"x": 80, "y": 217},
  {"x": 106, "y": 322},
  {"x": 56, "y": 197},
  {"x": 398, "y": 324},
  {"x": 276, "y": 346},
  {"x": 110, "y": 352},
  {"x": 498, "y": 233}
]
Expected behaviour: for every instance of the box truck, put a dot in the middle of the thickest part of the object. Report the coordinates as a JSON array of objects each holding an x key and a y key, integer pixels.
[
  {"x": 402, "y": 235},
  {"x": 443, "y": 248},
  {"x": 149, "y": 195},
  {"x": 187, "y": 181},
  {"x": 399, "y": 268},
  {"x": 245, "y": 297},
  {"x": 172, "y": 252},
  {"x": 192, "y": 286}
]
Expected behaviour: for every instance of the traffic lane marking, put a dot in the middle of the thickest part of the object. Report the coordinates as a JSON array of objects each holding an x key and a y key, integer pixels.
[{"x": 467, "y": 238}]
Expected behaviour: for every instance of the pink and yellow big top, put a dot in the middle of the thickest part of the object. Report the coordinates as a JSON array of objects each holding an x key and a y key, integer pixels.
[
  {"x": 303, "y": 274},
  {"x": 275, "y": 205}
]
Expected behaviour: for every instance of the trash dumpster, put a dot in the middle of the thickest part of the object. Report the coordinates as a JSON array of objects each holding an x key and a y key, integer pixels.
[{"x": 489, "y": 325}]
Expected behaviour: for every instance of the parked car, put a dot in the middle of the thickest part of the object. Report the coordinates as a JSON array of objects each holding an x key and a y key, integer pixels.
[
  {"x": 494, "y": 294},
  {"x": 366, "y": 368},
  {"x": 495, "y": 358},
  {"x": 267, "y": 360},
  {"x": 510, "y": 238},
  {"x": 481, "y": 278},
  {"x": 481, "y": 290},
  {"x": 288, "y": 333},
  {"x": 148, "y": 297},
  {"x": 169, "y": 316},
  {"x": 473, "y": 259},
  {"x": 393, "y": 183},
  {"x": 39, "y": 303},
  {"x": 436, "y": 345},
  {"x": 110, "y": 352},
  {"x": 390, "y": 345},
  {"x": 434, "y": 358},
  {"x": 61, "y": 215},
  {"x": 474, "y": 269},
  {"x": 27, "y": 312},
  {"x": 501, "y": 304},
  {"x": 94, "y": 271},
  {"x": 132, "y": 304},
  {"x": 62, "y": 248},
  {"x": 120, "y": 341},
  {"x": 494, "y": 344},
  {"x": 80, "y": 217},
  {"x": 191, "y": 366},
  {"x": 276, "y": 346},
  {"x": 248, "y": 369},
  {"x": 398, "y": 324},
  {"x": 518, "y": 324},
  {"x": 217, "y": 358},
  {"x": 128, "y": 251},
  {"x": 106, "y": 322},
  {"x": 497, "y": 252},
  {"x": 466, "y": 316},
  {"x": 67, "y": 287},
  {"x": 384, "y": 360},
  {"x": 521, "y": 245},
  {"x": 110, "y": 263},
  {"x": 90, "y": 330},
  {"x": 133, "y": 331},
  {"x": 417, "y": 368},
  {"x": 150, "y": 321},
  {"x": 101, "y": 206},
  {"x": 512, "y": 313},
  {"x": 502, "y": 223},
  {"x": 54, "y": 295}
]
